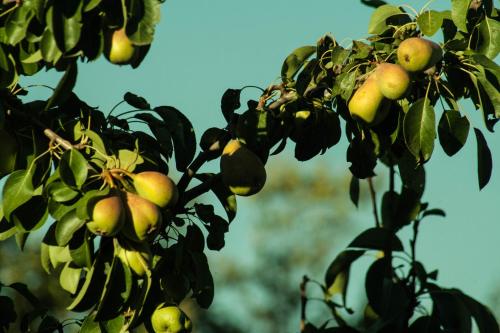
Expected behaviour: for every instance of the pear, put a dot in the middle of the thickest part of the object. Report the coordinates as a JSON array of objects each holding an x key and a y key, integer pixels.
[
  {"x": 242, "y": 171},
  {"x": 157, "y": 188},
  {"x": 143, "y": 218},
  {"x": 392, "y": 80},
  {"x": 137, "y": 257},
  {"x": 119, "y": 48},
  {"x": 368, "y": 103},
  {"x": 170, "y": 319},
  {"x": 107, "y": 216},
  {"x": 417, "y": 54}
]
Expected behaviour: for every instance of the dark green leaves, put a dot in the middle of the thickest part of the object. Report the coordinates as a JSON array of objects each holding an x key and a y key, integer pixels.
[
  {"x": 17, "y": 24},
  {"x": 145, "y": 16},
  {"x": 484, "y": 159},
  {"x": 453, "y": 130},
  {"x": 73, "y": 168},
  {"x": 17, "y": 190},
  {"x": 459, "y": 10},
  {"x": 66, "y": 23},
  {"x": 295, "y": 61},
  {"x": 377, "y": 239},
  {"x": 419, "y": 129}
]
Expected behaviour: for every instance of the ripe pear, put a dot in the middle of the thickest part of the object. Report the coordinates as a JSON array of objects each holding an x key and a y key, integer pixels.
[
  {"x": 392, "y": 80},
  {"x": 8, "y": 152},
  {"x": 119, "y": 49},
  {"x": 108, "y": 216},
  {"x": 170, "y": 319},
  {"x": 157, "y": 188},
  {"x": 368, "y": 103},
  {"x": 242, "y": 171},
  {"x": 143, "y": 218},
  {"x": 137, "y": 257},
  {"x": 416, "y": 54}
]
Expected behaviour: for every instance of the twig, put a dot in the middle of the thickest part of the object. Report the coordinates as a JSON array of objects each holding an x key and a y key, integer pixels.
[{"x": 191, "y": 171}]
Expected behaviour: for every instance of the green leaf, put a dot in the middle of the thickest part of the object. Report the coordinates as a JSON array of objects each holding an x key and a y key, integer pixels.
[
  {"x": 221, "y": 191},
  {"x": 459, "y": 9},
  {"x": 73, "y": 168},
  {"x": 483, "y": 316},
  {"x": 489, "y": 29},
  {"x": 203, "y": 288},
  {"x": 340, "y": 264},
  {"x": 484, "y": 159},
  {"x": 89, "y": 325},
  {"x": 141, "y": 24},
  {"x": 67, "y": 23},
  {"x": 67, "y": 226},
  {"x": 49, "y": 324},
  {"x": 88, "y": 294},
  {"x": 18, "y": 189},
  {"x": 17, "y": 24},
  {"x": 453, "y": 130},
  {"x": 378, "y": 20},
  {"x": 64, "y": 87},
  {"x": 116, "y": 291},
  {"x": 452, "y": 312},
  {"x": 434, "y": 212},
  {"x": 136, "y": 101},
  {"x": 430, "y": 21},
  {"x": 377, "y": 239},
  {"x": 70, "y": 277},
  {"x": 8, "y": 73},
  {"x": 491, "y": 90},
  {"x": 50, "y": 51},
  {"x": 183, "y": 135},
  {"x": 295, "y": 61},
  {"x": 354, "y": 190},
  {"x": 129, "y": 159},
  {"x": 81, "y": 248},
  {"x": 419, "y": 128},
  {"x": 60, "y": 192},
  {"x": 31, "y": 215}
]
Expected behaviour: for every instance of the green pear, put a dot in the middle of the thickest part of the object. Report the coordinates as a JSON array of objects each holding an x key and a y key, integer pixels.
[
  {"x": 417, "y": 54},
  {"x": 107, "y": 216},
  {"x": 118, "y": 47},
  {"x": 242, "y": 171},
  {"x": 157, "y": 188},
  {"x": 392, "y": 80},
  {"x": 170, "y": 319},
  {"x": 143, "y": 220},
  {"x": 368, "y": 103},
  {"x": 137, "y": 256},
  {"x": 8, "y": 152}
]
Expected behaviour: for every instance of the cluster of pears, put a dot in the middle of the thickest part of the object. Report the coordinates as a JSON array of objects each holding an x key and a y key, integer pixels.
[
  {"x": 241, "y": 169},
  {"x": 170, "y": 319},
  {"x": 136, "y": 216},
  {"x": 370, "y": 103}
]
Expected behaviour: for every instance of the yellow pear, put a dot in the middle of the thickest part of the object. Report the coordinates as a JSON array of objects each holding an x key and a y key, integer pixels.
[
  {"x": 242, "y": 171},
  {"x": 143, "y": 218},
  {"x": 119, "y": 49},
  {"x": 392, "y": 80},
  {"x": 8, "y": 152},
  {"x": 156, "y": 187},
  {"x": 367, "y": 103},
  {"x": 416, "y": 54},
  {"x": 107, "y": 217}
]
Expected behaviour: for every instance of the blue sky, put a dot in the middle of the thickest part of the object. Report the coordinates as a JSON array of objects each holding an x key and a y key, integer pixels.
[{"x": 204, "y": 47}]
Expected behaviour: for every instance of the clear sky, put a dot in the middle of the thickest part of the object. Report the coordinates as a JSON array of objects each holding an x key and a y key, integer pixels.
[{"x": 203, "y": 47}]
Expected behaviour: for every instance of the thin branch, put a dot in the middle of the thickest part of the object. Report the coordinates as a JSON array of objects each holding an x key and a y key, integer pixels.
[
  {"x": 303, "y": 303},
  {"x": 191, "y": 171}
]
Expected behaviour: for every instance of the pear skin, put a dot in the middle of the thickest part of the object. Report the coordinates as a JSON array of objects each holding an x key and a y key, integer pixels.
[
  {"x": 143, "y": 220},
  {"x": 417, "y": 54},
  {"x": 367, "y": 103},
  {"x": 120, "y": 49},
  {"x": 242, "y": 170},
  {"x": 392, "y": 80},
  {"x": 157, "y": 188},
  {"x": 108, "y": 216}
]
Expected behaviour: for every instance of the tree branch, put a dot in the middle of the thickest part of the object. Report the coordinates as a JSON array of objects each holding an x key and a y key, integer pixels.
[{"x": 374, "y": 201}]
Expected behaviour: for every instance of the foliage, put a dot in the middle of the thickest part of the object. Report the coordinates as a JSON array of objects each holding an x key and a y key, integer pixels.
[{"x": 63, "y": 155}]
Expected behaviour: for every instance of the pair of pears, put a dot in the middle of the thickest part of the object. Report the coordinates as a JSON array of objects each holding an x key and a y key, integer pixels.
[
  {"x": 370, "y": 103},
  {"x": 137, "y": 216}
]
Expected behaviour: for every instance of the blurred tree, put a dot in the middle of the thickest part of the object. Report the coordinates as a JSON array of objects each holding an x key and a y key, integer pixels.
[{"x": 302, "y": 217}]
